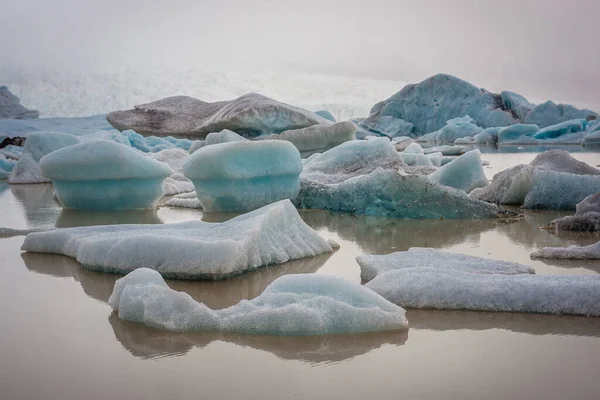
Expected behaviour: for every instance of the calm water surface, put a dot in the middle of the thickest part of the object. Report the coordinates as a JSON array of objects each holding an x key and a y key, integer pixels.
[{"x": 59, "y": 339}]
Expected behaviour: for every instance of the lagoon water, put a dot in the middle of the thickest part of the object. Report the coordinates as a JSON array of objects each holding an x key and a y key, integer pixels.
[{"x": 59, "y": 339}]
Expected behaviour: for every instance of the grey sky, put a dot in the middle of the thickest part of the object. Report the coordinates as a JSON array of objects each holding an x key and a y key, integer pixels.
[{"x": 542, "y": 49}]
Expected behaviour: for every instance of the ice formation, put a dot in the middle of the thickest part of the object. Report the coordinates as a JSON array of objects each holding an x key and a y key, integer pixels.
[
  {"x": 446, "y": 150},
  {"x": 487, "y": 136},
  {"x": 273, "y": 234},
  {"x": 518, "y": 134},
  {"x": 464, "y": 173},
  {"x": 251, "y": 114},
  {"x": 458, "y": 290},
  {"x": 104, "y": 175},
  {"x": 428, "y": 105},
  {"x": 388, "y": 126},
  {"x": 317, "y": 137},
  {"x": 414, "y": 155},
  {"x": 74, "y": 126},
  {"x": 293, "y": 305},
  {"x": 593, "y": 134},
  {"x": 418, "y": 257},
  {"x": 37, "y": 145},
  {"x": 177, "y": 182},
  {"x": 243, "y": 176},
  {"x": 11, "y": 107},
  {"x": 184, "y": 200},
  {"x": 553, "y": 180},
  {"x": 326, "y": 114},
  {"x": 454, "y": 129},
  {"x": 369, "y": 177},
  {"x": 591, "y": 252},
  {"x": 6, "y": 166}
]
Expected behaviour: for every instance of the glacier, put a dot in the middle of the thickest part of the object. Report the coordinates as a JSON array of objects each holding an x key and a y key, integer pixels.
[
  {"x": 104, "y": 175},
  {"x": 243, "y": 176},
  {"x": 464, "y": 173},
  {"x": 293, "y": 305},
  {"x": 591, "y": 252},
  {"x": 459, "y": 290},
  {"x": 273, "y": 234},
  {"x": 419, "y": 257},
  {"x": 37, "y": 145},
  {"x": 11, "y": 107},
  {"x": 250, "y": 115}
]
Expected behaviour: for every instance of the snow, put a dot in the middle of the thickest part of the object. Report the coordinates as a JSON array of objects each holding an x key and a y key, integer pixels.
[
  {"x": 177, "y": 182},
  {"x": 293, "y": 305},
  {"x": 11, "y": 107},
  {"x": 251, "y": 114},
  {"x": 454, "y": 129},
  {"x": 273, "y": 234},
  {"x": 418, "y": 257},
  {"x": 37, "y": 145},
  {"x": 591, "y": 252},
  {"x": 458, "y": 290},
  {"x": 104, "y": 175},
  {"x": 243, "y": 176},
  {"x": 317, "y": 137},
  {"x": 464, "y": 173}
]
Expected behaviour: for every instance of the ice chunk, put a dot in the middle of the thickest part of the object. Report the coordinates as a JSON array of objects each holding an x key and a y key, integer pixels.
[
  {"x": 401, "y": 143},
  {"x": 550, "y": 113},
  {"x": 436, "y": 159},
  {"x": 564, "y": 128},
  {"x": 388, "y": 126},
  {"x": 6, "y": 166},
  {"x": 591, "y": 252},
  {"x": 518, "y": 133},
  {"x": 270, "y": 235},
  {"x": 196, "y": 144},
  {"x": 293, "y": 305},
  {"x": 586, "y": 218},
  {"x": 563, "y": 161},
  {"x": 103, "y": 175},
  {"x": 184, "y": 200},
  {"x": 251, "y": 114},
  {"x": 464, "y": 173},
  {"x": 454, "y": 129},
  {"x": 589, "y": 204},
  {"x": 458, "y": 290},
  {"x": 317, "y": 137},
  {"x": 177, "y": 182},
  {"x": 592, "y": 136},
  {"x": 243, "y": 176},
  {"x": 413, "y": 155},
  {"x": 11, "y": 152},
  {"x": 417, "y": 257},
  {"x": 37, "y": 145},
  {"x": 446, "y": 150},
  {"x": 559, "y": 190},
  {"x": 11, "y": 107},
  {"x": 326, "y": 114}
]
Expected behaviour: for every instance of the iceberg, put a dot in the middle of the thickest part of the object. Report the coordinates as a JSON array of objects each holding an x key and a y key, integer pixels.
[
  {"x": 37, "y": 145},
  {"x": 104, "y": 175},
  {"x": 586, "y": 218},
  {"x": 326, "y": 114},
  {"x": 414, "y": 155},
  {"x": 184, "y": 200},
  {"x": 176, "y": 183},
  {"x": 563, "y": 161},
  {"x": 388, "y": 126},
  {"x": 518, "y": 134},
  {"x": 243, "y": 176},
  {"x": 591, "y": 252},
  {"x": 250, "y": 115},
  {"x": 293, "y": 305},
  {"x": 459, "y": 290},
  {"x": 454, "y": 129},
  {"x": 74, "y": 126},
  {"x": 589, "y": 204},
  {"x": 6, "y": 166},
  {"x": 446, "y": 150},
  {"x": 273, "y": 234},
  {"x": 417, "y": 257},
  {"x": 464, "y": 173},
  {"x": 550, "y": 113},
  {"x": 225, "y": 136},
  {"x": 316, "y": 137},
  {"x": 562, "y": 129},
  {"x": 592, "y": 137},
  {"x": 11, "y": 107}
]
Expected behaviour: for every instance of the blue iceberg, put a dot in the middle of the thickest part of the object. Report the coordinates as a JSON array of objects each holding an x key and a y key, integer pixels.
[
  {"x": 316, "y": 137},
  {"x": 464, "y": 173}
]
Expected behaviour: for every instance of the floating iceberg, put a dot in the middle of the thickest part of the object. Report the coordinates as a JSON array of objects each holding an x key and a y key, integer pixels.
[
  {"x": 6, "y": 166},
  {"x": 418, "y": 257},
  {"x": 317, "y": 137},
  {"x": 458, "y": 290},
  {"x": 518, "y": 134},
  {"x": 592, "y": 137},
  {"x": 563, "y": 161},
  {"x": 273, "y": 234},
  {"x": 591, "y": 252},
  {"x": 11, "y": 107},
  {"x": 177, "y": 182},
  {"x": 562, "y": 129},
  {"x": 550, "y": 113},
  {"x": 414, "y": 155},
  {"x": 388, "y": 126},
  {"x": 454, "y": 129},
  {"x": 103, "y": 175},
  {"x": 293, "y": 305},
  {"x": 446, "y": 150},
  {"x": 225, "y": 136},
  {"x": 464, "y": 173},
  {"x": 243, "y": 176},
  {"x": 251, "y": 114},
  {"x": 37, "y": 145},
  {"x": 487, "y": 136}
]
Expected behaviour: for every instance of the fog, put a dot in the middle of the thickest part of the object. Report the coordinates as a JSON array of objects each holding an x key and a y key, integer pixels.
[{"x": 542, "y": 49}]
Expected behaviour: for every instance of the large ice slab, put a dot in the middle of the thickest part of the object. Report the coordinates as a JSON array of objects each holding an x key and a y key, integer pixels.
[
  {"x": 458, "y": 290},
  {"x": 418, "y": 257},
  {"x": 454, "y": 129},
  {"x": 273, "y": 234},
  {"x": 251, "y": 114},
  {"x": 11, "y": 107},
  {"x": 293, "y": 305},
  {"x": 591, "y": 252},
  {"x": 104, "y": 175},
  {"x": 563, "y": 161},
  {"x": 388, "y": 126},
  {"x": 37, "y": 145},
  {"x": 464, "y": 173},
  {"x": 317, "y": 137},
  {"x": 243, "y": 176}
]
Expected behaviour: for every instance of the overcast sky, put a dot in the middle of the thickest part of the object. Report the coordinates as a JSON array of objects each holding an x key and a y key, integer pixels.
[{"x": 545, "y": 49}]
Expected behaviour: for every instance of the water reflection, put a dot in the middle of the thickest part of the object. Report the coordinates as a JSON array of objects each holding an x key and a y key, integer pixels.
[
  {"x": 145, "y": 342},
  {"x": 533, "y": 324},
  {"x": 72, "y": 218},
  {"x": 40, "y": 207},
  {"x": 215, "y": 294}
]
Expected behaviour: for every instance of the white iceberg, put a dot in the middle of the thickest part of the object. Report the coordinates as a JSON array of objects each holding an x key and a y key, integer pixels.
[
  {"x": 104, "y": 175},
  {"x": 418, "y": 257},
  {"x": 293, "y": 305},
  {"x": 317, "y": 137},
  {"x": 243, "y": 176},
  {"x": 591, "y": 252},
  {"x": 273, "y": 234},
  {"x": 464, "y": 173}
]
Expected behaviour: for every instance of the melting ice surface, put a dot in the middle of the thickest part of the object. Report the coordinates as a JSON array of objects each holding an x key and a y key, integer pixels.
[
  {"x": 273, "y": 234},
  {"x": 591, "y": 252},
  {"x": 291, "y": 305}
]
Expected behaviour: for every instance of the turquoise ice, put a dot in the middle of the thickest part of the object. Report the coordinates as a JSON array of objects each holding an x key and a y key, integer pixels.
[{"x": 464, "y": 173}]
